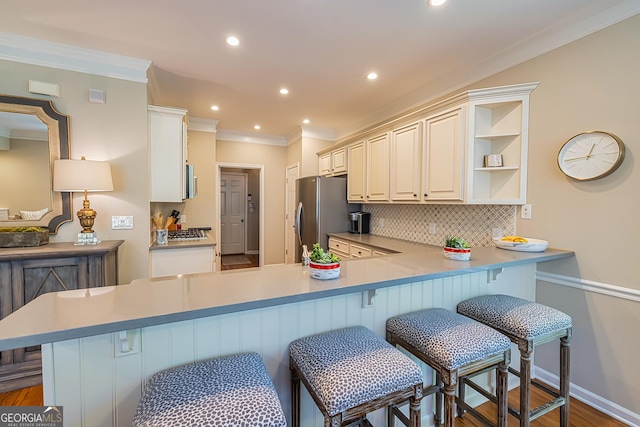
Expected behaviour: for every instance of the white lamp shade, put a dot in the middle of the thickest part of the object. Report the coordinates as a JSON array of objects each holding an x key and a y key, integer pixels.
[{"x": 81, "y": 175}]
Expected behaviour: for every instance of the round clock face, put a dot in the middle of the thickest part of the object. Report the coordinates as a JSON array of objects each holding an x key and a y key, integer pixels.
[{"x": 591, "y": 155}]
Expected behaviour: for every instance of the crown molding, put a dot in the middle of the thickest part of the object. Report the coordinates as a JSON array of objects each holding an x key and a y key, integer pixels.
[
  {"x": 318, "y": 133},
  {"x": 234, "y": 135},
  {"x": 202, "y": 125},
  {"x": 56, "y": 55}
]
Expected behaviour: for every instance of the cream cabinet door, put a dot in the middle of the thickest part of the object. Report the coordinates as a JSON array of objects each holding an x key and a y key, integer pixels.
[
  {"x": 442, "y": 160},
  {"x": 171, "y": 262},
  {"x": 324, "y": 164},
  {"x": 167, "y": 153},
  {"x": 339, "y": 161},
  {"x": 356, "y": 160},
  {"x": 405, "y": 163},
  {"x": 378, "y": 168}
]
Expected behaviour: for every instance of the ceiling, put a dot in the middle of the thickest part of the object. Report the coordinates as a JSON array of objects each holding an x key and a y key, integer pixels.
[{"x": 320, "y": 50}]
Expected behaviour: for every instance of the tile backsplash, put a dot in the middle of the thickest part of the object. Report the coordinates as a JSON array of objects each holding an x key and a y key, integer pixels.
[{"x": 474, "y": 223}]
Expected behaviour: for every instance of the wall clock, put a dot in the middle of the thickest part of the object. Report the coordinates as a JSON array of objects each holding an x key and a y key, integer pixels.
[{"x": 591, "y": 155}]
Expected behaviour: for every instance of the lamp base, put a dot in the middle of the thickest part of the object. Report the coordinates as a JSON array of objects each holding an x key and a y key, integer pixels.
[{"x": 87, "y": 239}]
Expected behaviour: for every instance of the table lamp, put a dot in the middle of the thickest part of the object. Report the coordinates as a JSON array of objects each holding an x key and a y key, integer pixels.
[{"x": 83, "y": 175}]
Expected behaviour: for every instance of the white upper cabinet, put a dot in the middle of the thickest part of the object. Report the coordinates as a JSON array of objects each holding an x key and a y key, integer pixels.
[
  {"x": 442, "y": 172},
  {"x": 356, "y": 160},
  {"x": 406, "y": 145},
  {"x": 167, "y": 153},
  {"x": 470, "y": 149},
  {"x": 324, "y": 164},
  {"x": 377, "y": 170},
  {"x": 333, "y": 163}
]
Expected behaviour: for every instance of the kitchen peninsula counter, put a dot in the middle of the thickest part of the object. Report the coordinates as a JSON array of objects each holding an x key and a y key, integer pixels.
[
  {"x": 99, "y": 346},
  {"x": 148, "y": 302}
]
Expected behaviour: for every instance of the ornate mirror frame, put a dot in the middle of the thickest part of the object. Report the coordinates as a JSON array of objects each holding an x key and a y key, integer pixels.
[{"x": 58, "y": 125}]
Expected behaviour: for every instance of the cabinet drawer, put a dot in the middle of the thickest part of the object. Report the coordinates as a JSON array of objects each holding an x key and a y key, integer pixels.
[
  {"x": 357, "y": 251},
  {"x": 336, "y": 246}
]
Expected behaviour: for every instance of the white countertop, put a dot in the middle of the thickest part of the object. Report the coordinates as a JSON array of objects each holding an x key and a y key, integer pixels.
[{"x": 59, "y": 316}]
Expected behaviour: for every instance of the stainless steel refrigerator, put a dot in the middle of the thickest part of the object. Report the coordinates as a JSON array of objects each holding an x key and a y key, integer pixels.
[{"x": 321, "y": 208}]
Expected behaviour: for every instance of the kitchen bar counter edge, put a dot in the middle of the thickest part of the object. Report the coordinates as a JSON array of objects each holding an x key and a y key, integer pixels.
[{"x": 66, "y": 315}]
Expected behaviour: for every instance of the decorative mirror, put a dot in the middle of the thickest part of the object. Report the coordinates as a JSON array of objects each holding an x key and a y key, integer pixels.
[{"x": 32, "y": 135}]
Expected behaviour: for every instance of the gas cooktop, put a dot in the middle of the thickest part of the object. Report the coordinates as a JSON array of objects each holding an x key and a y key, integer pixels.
[{"x": 189, "y": 234}]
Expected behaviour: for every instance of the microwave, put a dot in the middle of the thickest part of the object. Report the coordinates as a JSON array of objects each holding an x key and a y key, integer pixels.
[{"x": 191, "y": 183}]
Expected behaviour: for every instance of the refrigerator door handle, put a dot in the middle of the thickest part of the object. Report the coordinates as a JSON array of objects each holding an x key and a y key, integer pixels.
[{"x": 297, "y": 222}]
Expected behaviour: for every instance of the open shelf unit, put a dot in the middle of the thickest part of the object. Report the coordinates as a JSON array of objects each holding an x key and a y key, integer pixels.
[{"x": 498, "y": 124}]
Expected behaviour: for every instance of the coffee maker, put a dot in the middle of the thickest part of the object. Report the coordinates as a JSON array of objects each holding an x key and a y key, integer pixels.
[{"x": 359, "y": 222}]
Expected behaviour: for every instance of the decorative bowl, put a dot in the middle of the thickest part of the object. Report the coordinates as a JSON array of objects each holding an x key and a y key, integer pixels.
[
  {"x": 457, "y": 254},
  {"x": 324, "y": 271}
]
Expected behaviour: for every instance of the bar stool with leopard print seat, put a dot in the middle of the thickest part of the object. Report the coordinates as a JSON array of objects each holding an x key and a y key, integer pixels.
[
  {"x": 229, "y": 391},
  {"x": 350, "y": 372},
  {"x": 527, "y": 324},
  {"x": 453, "y": 346}
]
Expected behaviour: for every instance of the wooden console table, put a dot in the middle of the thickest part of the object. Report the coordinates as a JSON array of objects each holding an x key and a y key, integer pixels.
[{"x": 26, "y": 273}]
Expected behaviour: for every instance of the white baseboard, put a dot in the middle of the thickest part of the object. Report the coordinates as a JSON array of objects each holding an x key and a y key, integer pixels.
[
  {"x": 605, "y": 406},
  {"x": 253, "y": 252}
]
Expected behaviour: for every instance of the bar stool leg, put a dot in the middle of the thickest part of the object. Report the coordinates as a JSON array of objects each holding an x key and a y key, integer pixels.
[
  {"x": 295, "y": 399},
  {"x": 438, "y": 413},
  {"x": 564, "y": 378},
  {"x": 525, "y": 381},
  {"x": 461, "y": 394},
  {"x": 449, "y": 404},
  {"x": 414, "y": 407},
  {"x": 502, "y": 393}
]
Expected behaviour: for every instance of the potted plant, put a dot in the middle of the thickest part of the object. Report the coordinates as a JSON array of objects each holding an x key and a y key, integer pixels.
[
  {"x": 457, "y": 249},
  {"x": 323, "y": 265}
]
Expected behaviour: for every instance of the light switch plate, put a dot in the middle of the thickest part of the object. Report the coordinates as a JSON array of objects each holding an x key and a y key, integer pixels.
[{"x": 122, "y": 222}]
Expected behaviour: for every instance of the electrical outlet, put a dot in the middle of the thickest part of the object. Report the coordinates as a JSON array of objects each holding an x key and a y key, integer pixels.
[
  {"x": 432, "y": 228},
  {"x": 497, "y": 233},
  {"x": 122, "y": 222},
  {"x": 525, "y": 212}
]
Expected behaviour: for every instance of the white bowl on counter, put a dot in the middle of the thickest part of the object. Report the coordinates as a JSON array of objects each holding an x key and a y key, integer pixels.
[{"x": 532, "y": 245}]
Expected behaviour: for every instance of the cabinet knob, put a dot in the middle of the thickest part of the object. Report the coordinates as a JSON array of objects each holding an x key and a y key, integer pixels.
[
  {"x": 415, "y": 195},
  {"x": 425, "y": 194}
]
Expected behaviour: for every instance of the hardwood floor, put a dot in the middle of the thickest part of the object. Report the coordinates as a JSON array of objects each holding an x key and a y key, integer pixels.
[
  {"x": 30, "y": 396},
  {"x": 580, "y": 415},
  {"x": 254, "y": 258}
]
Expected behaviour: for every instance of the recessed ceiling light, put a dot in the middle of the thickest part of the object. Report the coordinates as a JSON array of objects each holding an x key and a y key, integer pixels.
[
  {"x": 372, "y": 76},
  {"x": 306, "y": 121},
  {"x": 233, "y": 41},
  {"x": 257, "y": 127},
  {"x": 436, "y": 2},
  {"x": 284, "y": 91},
  {"x": 215, "y": 108}
]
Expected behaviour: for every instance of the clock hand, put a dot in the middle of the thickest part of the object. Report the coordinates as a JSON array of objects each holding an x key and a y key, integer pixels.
[
  {"x": 591, "y": 151},
  {"x": 576, "y": 158}
]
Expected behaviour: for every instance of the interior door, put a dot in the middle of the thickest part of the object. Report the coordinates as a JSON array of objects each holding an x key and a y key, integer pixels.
[
  {"x": 290, "y": 233},
  {"x": 233, "y": 196}
]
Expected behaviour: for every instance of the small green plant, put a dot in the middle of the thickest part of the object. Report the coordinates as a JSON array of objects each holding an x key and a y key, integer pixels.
[
  {"x": 456, "y": 242},
  {"x": 319, "y": 256}
]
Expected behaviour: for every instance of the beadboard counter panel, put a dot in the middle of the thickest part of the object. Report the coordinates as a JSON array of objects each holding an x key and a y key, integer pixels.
[{"x": 75, "y": 314}]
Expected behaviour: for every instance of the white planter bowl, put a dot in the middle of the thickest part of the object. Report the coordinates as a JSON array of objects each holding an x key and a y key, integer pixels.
[
  {"x": 457, "y": 254},
  {"x": 324, "y": 271}
]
